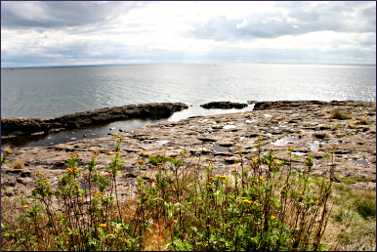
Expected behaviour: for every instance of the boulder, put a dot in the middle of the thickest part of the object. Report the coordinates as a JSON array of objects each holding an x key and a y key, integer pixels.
[{"x": 223, "y": 105}]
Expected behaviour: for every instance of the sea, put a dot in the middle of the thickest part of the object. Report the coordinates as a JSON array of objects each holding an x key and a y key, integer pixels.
[{"x": 46, "y": 92}]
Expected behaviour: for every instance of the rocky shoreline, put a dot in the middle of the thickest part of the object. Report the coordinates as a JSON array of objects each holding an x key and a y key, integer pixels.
[
  {"x": 24, "y": 126},
  {"x": 307, "y": 126}
]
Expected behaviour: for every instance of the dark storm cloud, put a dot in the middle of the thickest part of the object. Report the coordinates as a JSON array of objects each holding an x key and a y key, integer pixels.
[
  {"x": 58, "y": 14},
  {"x": 299, "y": 18}
]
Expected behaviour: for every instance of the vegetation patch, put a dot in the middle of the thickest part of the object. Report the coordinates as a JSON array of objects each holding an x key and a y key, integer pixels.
[
  {"x": 340, "y": 115},
  {"x": 266, "y": 203}
]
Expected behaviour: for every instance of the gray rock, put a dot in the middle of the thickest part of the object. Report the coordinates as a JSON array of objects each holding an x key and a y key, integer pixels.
[
  {"x": 223, "y": 105},
  {"x": 225, "y": 144},
  {"x": 207, "y": 139},
  {"x": 320, "y": 135}
]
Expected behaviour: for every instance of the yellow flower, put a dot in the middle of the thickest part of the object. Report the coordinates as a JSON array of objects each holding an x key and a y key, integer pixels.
[
  {"x": 247, "y": 202},
  {"x": 261, "y": 178},
  {"x": 103, "y": 225},
  {"x": 140, "y": 162},
  {"x": 273, "y": 217},
  {"x": 222, "y": 177},
  {"x": 72, "y": 170},
  {"x": 97, "y": 194},
  {"x": 25, "y": 206},
  {"x": 74, "y": 155}
]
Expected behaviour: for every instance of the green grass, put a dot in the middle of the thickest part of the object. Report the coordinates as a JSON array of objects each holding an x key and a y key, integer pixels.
[
  {"x": 366, "y": 207},
  {"x": 351, "y": 229}
]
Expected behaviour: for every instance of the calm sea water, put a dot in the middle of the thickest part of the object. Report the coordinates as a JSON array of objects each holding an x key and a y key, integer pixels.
[
  {"x": 55, "y": 91},
  {"x": 50, "y": 92}
]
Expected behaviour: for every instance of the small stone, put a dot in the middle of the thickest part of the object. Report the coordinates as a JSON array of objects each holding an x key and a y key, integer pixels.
[
  {"x": 225, "y": 144},
  {"x": 38, "y": 133},
  {"x": 24, "y": 181},
  {"x": 162, "y": 142},
  {"x": 251, "y": 135},
  {"x": 130, "y": 175},
  {"x": 324, "y": 127},
  {"x": 217, "y": 127},
  {"x": 229, "y": 127},
  {"x": 207, "y": 139},
  {"x": 230, "y": 160},
  {"x": 320, "y": 135},
  {"x": 342, "y": 151},
  {"x": 267, "y": 116},
  {"x": 9, "y": 183}
]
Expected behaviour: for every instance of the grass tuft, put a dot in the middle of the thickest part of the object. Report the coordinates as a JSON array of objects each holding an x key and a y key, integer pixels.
[{"x": 340, "y": 115}]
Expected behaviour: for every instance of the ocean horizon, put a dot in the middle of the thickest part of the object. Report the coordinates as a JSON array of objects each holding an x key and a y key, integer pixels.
[{"x": 53, "y": 91}]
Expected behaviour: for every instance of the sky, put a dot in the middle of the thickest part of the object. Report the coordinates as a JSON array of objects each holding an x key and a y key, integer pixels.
[{"x": 104, "y": 32}]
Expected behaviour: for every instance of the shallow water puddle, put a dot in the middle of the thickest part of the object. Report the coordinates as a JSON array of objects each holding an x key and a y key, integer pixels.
[
  {"x": 229, "y": 126},
  {"x": 314, "y": 146},
  {"x": 285, "y": 141},
  {"x": 162, "y": 142},
  {"x": 361, "y": 162},
  {"x": 298, "y": 153}
]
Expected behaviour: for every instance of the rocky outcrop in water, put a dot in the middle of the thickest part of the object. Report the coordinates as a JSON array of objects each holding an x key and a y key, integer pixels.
[
  {"x": 223, "y": 105},
  {"x": 264, "y": 105},
  {"x": 20, "y": 126}
]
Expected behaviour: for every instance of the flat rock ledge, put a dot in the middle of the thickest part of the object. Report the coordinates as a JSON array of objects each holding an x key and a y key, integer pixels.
[
  {"x": 224, "y": 105},
  {"x": 307, "y": 127},
  {"x": 23, "y": 126}
]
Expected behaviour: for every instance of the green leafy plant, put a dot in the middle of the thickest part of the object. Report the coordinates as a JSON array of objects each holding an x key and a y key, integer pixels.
[{"x": 265, "y": 204}]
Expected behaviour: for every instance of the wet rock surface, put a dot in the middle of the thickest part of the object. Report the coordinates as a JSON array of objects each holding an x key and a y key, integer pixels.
[{"x": 221, "y": 139}]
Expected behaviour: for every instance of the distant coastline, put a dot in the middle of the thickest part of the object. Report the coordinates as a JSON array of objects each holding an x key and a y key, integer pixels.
[{"x": 186, "y": 63}]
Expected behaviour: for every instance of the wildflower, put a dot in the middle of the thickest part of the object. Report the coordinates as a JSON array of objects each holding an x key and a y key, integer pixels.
[
  {"x": 74, "y": 155},
  {"x": 72, "y": 170},
  {"x": 278, "y": 162},
  {"x": 261, "y": 178},
  {"x": 273, "y": 217},
  {"x": 103, "y": 225},
  {"x": 25, "y": 206},
  {"x": 254, "y": 160},
  {"x": 247, "y": 202},
  {"x": 97, "y": 194},
  {"x": 140, "y": 162},
  {"x": 222, "y": 177}
]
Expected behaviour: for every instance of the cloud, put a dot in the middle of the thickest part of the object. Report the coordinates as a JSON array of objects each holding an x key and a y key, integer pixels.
[
  {"x": 292, "y": 19},
  {"x": 58, "y": 33},
  {"x": 56, "y": 14}
]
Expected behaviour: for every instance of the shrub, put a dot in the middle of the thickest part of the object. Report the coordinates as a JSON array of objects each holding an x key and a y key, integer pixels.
[
  {"x": 366, "y": 207},
  {"x": 266, "y": 204}
]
